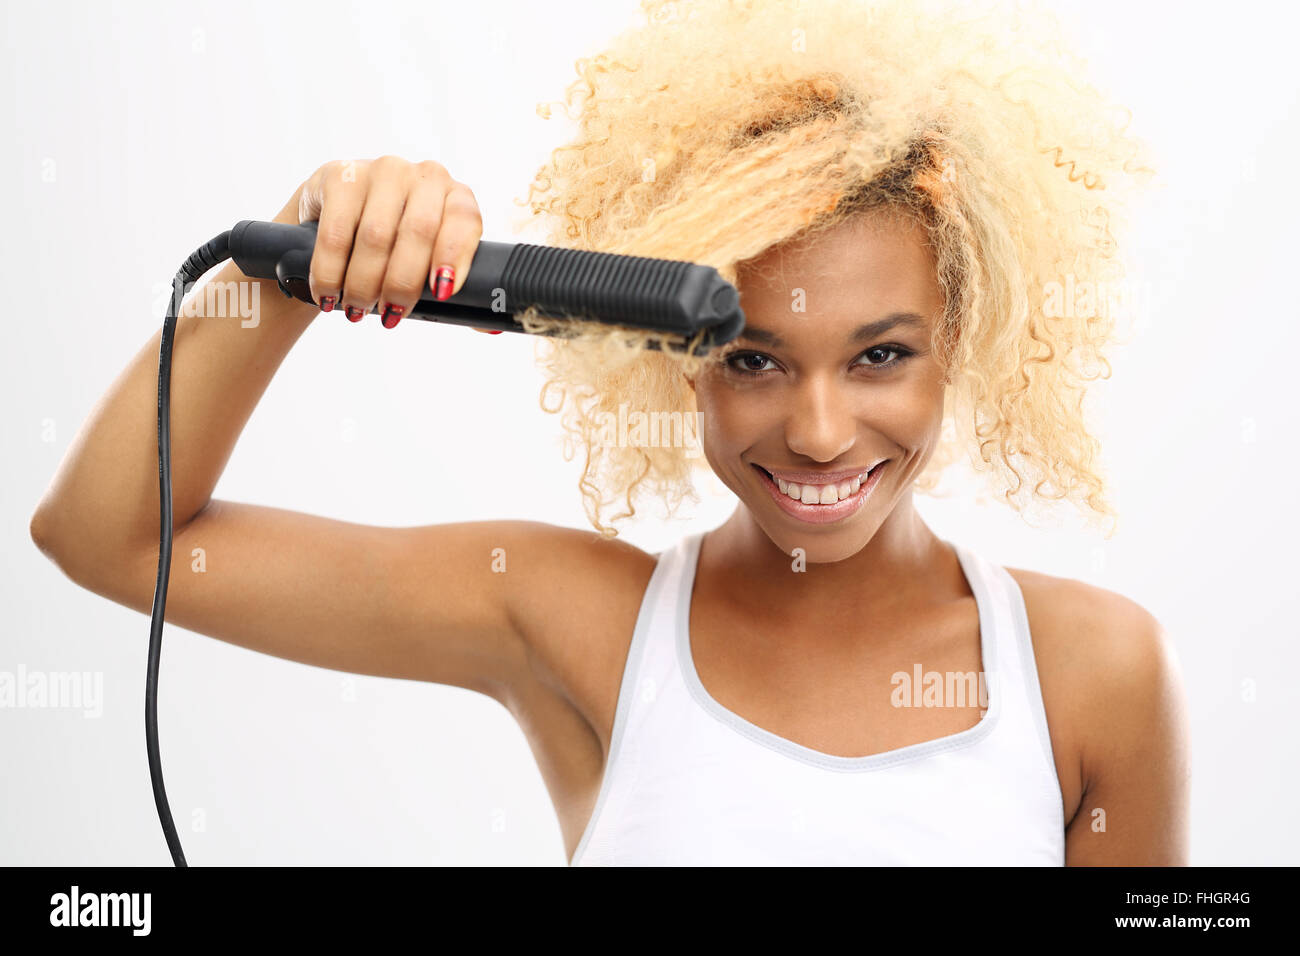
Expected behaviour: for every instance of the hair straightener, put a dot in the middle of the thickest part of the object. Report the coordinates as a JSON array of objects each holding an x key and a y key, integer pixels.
[{"x": 692, "y": 305}]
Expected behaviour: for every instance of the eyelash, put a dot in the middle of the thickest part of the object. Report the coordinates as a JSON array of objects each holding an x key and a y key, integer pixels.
[{"x": 903, "y": 355}]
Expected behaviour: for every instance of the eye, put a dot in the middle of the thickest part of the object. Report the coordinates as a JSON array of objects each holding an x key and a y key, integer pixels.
[
  {"x": 898, "y": 350},
  {"x": 752, "y": 364},
  {"x": 757, "y": 357}
]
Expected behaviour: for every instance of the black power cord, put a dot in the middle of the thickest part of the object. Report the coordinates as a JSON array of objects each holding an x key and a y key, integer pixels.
[{"x": 203, "y": 259}]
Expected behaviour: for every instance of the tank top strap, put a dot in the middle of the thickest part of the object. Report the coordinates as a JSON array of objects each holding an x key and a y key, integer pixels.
[
  {"x": 1014, "y": 664},
  {"x": 651, "y": 664}
]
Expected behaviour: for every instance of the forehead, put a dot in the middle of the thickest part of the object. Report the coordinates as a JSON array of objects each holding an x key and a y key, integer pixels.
[{"x": 876, "y": 261}]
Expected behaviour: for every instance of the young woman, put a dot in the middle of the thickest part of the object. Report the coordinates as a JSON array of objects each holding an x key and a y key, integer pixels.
[{"x": 822, "y": 679}]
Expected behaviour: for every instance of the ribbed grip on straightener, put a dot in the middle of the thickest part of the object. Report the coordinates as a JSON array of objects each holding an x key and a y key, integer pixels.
[{"x": 660, "y": 294}]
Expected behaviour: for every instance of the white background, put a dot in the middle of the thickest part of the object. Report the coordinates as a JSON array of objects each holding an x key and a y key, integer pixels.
[{"x": 167, "y": 123}]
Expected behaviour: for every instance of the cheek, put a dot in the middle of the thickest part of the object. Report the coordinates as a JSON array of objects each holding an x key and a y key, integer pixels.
[
  {"x": 908, "y": 416},
  {"x": 930, "y": 401},
  {"x": 910, "y": 409},
  {"x": 731, "y": 419}
]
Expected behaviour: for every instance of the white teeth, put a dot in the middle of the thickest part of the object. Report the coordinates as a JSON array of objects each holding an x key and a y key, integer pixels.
[{"x": 822, "y": 494}]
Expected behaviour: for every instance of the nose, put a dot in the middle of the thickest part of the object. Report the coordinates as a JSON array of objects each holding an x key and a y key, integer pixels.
[{"x": 820, "y": 423}]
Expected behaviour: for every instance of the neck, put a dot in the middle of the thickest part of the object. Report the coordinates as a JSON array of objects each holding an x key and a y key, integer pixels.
[{"x": 897, "y": 567}]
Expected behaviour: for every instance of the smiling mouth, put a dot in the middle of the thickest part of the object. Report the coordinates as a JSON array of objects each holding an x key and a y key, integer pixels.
[{"x": 824, "y": 494}]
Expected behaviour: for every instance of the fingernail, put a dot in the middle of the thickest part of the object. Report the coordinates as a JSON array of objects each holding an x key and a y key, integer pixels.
[
  {"x": 327, "y": 303},
  {"x": 392, "y": 315},
  {"x": 494, "y": 331},
  {"x": 354, "y": 314},
  {"x": 446, "y": 278}
]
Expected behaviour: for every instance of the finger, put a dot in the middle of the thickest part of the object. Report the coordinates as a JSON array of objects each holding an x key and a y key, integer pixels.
[
  {"x": 407, "y": 276},
  {"x": 462, "y": 227},
  {"x": 376, "y": 232},
  {"x": 333, "y": 198}
]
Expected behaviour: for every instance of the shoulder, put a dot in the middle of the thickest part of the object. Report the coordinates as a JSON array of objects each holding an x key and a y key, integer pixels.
[
  {"x": 1109, "y": 663},
  {"x": 571, "y": 560},
  {"x": 1112, "y": 688},
  {"x": 559, "y": 572},
  {"x": 1115, "y": 643},
  {"x": 574, "y": 598},
  {"x": 559, "y": 547}
]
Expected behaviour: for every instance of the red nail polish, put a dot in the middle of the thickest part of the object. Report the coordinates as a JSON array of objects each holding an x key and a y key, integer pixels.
[
  {"x": 354, "y": 314},
  {"x": 495, "y": 331},
  {"x": 446, "y": 278},
  {"x": 392, "y": 315},
  {"x": 327, "y": 303}
]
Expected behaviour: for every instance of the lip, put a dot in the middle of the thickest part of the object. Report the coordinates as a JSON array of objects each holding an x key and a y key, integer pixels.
[
  {"x": 819, "y": 477},
  {"x": 824, "y": 514}
]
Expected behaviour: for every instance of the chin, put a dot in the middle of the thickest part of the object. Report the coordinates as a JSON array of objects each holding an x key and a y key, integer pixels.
[{"x": 822, "y": 545}]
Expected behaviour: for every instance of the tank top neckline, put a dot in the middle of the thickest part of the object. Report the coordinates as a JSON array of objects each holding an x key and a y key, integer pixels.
[{"x": 989, "y": 629}]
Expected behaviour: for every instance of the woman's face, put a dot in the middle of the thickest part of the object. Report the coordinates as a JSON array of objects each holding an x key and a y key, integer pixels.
[{"x": 822, "y": 385}]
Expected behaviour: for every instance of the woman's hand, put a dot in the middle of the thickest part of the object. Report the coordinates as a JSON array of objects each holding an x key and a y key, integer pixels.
[{"x": 388, "y": 229}]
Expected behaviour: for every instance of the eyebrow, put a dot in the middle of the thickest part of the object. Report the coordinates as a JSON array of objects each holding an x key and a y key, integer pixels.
[{"x": 863, "y": 332}]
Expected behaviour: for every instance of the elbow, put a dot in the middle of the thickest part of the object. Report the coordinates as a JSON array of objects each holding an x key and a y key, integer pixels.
[
  {"x": 89, "y": 554},
  {"x": 39, "y": 529},
  {"x": 45, "y": 533},
  {"x": 58, "y": 544},
  {"x": 74, "y": 548},
  {"x": 43, "y": 530}
]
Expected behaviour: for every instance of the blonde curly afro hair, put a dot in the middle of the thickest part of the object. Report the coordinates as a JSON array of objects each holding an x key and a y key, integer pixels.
[{"x": 717, "y": 129}]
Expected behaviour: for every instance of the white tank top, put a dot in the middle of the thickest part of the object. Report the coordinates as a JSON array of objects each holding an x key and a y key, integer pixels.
[{"x": 688, "y": 782}]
